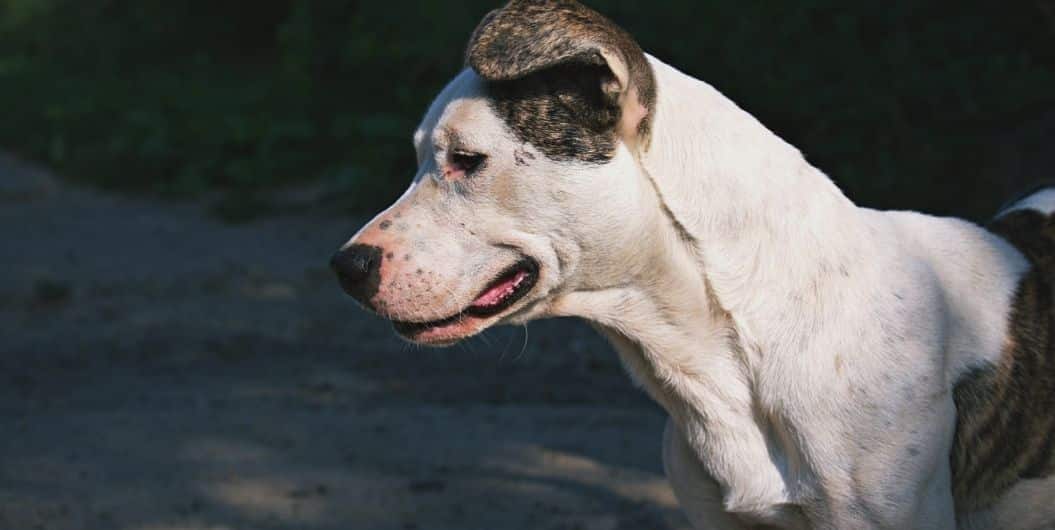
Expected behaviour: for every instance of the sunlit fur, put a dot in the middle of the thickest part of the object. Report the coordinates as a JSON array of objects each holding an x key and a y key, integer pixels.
[{"x": 805, "y": 348}]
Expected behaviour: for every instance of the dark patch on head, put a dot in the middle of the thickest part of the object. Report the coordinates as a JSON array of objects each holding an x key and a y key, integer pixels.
[
  {"x": 548, "y": 77},
  {"x": 385, "y": 224},
  {"x": 406, "y": 257},
  {"x": 1005, "y": 426},
  {"x": 556, "y": 112},
  {"x": 390, "y": 255}
]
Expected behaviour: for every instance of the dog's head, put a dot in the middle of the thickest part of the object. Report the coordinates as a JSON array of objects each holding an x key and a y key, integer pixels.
[{"x": 528, "y": 185}]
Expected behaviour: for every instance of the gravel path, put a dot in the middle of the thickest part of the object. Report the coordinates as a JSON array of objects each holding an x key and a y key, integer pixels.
[{"x": 160, "y": 370}]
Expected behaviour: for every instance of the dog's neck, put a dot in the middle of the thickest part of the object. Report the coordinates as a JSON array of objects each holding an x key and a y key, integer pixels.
[
  {"x": 770, "y": 232},
  {"x": 749, "y": 245},
  {"x": 750, "y": 238}
]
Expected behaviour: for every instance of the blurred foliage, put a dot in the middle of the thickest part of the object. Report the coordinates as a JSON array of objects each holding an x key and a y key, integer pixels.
[{"x": 896, "y": 100}]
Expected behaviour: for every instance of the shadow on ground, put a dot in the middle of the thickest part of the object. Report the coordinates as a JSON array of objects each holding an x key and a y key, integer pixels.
[{"x": 163, "y": 371}]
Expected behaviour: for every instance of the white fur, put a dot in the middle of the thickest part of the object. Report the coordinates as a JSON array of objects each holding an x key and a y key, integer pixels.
[
  {"x": 1043, "y": 201},
  {"x": 805, "y": 348},
  {"x": 902, "y": 302}
]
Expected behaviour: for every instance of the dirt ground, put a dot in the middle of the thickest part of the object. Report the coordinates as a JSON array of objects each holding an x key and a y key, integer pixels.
[{"x": 160, "y": 370}]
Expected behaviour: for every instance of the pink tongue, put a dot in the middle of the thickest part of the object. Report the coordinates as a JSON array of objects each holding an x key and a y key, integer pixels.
[{"x": 500, "y": 291}]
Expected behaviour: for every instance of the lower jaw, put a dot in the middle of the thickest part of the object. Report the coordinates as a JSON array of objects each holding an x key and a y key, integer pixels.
[{"x": 446, "y": 334}]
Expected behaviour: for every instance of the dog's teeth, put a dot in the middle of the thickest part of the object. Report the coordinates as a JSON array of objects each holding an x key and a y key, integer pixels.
[{"x": 500, "y": 293}]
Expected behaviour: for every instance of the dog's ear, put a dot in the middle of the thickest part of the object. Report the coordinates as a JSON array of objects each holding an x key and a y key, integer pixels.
[{"x": 529, "y": 37}]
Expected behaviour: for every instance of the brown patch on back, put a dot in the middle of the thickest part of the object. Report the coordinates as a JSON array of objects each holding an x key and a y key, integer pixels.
[
  {"x": 1005, "y": 425},
  {"x": 565, "y": 78},
  {"x": 1032, "y": 232}
]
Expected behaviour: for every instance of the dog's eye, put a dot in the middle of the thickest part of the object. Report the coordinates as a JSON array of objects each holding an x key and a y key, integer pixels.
[{"x": 466, "y": 162}]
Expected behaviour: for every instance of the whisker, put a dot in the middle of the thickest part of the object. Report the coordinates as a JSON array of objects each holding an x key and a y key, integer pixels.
[{"x": 523, "y": 348}]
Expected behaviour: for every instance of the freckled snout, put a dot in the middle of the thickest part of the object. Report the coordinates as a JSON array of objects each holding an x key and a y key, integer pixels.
[
  {"x": 419, "y": 265},
  {"x": 358, "y": 270}
]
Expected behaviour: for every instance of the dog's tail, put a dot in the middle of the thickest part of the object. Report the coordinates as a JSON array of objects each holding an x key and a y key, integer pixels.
[{"x": 1029, "y": 223}]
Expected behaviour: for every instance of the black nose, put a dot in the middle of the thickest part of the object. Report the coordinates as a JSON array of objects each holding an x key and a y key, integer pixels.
[{"x": 358, "y": 269}]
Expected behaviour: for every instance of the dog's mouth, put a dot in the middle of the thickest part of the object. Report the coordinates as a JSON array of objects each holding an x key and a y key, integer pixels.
[{"x": 508, "y": 288}]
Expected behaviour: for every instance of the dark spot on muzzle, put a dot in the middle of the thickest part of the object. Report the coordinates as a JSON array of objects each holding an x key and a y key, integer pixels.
[{"x": 358, "y": 269}]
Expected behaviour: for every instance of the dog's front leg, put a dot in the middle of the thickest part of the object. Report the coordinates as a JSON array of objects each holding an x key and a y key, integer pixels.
[{"x": 698, "y": 493}]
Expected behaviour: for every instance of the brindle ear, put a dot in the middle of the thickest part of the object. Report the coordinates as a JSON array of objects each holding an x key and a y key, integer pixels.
[{"x": 531, "y": 36}]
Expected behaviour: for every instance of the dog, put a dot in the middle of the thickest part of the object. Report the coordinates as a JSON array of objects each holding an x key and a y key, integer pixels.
[{"x": 823, "y": 365}]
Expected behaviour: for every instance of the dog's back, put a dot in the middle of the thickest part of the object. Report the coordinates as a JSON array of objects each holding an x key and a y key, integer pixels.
[
  {"x": 1005, "y": 434},
  {"x": 1029, "y": 224}
]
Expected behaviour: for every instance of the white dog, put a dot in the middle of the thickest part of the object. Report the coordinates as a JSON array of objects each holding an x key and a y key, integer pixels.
[{"x": 823, "y": 365}]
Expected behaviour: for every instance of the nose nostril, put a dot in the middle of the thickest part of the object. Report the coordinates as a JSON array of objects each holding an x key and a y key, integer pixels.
[{"x": 361, "y": 264}]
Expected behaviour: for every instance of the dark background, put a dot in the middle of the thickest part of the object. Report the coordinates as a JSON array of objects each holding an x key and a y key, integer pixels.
[
  {"x": 905, "y": 104},
  {"x": 176, "y": 355}
]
